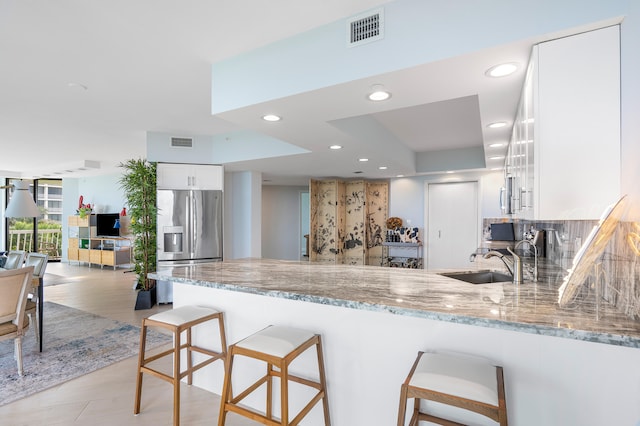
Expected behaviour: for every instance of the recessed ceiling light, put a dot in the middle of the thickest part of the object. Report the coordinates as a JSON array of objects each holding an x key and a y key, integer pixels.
[
  {"x": 335, "y": 147},
  {"x": 497, "y": 145},
  {"x": 271, "y": 117},
  {"x": 449, "y": 171},
  {"x": 399, "y": 176},
  {"x": 497, "y": 125},
  {"x": 502, "y": 70},
  {"x": 378, "y": 93},
  {"x": 363, "y": 159},
  {"x": 382, "y": 167}
]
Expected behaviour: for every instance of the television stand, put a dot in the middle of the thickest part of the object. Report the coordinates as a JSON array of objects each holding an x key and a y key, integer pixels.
[{"x": 86, "y": 247}]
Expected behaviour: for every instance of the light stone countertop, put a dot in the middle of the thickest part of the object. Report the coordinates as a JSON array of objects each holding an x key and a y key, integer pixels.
[{"x": 531, "y": 307}]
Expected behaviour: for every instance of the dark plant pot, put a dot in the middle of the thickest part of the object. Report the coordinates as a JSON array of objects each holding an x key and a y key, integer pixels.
[{"x": 146, "y": 299}]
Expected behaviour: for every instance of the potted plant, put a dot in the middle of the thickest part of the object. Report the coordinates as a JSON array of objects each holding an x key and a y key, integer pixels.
[{"x": 139, "y": 185}]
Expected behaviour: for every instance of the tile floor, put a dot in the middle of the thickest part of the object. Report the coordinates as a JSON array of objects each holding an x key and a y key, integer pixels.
[{"x": 106, "y": 396}]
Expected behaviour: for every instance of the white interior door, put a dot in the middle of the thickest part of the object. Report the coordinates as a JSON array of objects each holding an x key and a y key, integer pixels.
[{"x": 452, "y": 224}]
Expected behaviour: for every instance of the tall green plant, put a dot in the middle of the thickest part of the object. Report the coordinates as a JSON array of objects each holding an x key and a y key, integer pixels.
[{"x": 139, "y": 185}]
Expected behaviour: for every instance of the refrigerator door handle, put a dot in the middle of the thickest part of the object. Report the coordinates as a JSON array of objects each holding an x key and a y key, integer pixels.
[{"x": 194, "y": 223}]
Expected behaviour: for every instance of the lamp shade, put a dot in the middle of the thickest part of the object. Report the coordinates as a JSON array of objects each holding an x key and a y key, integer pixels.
[{"x": 21, "y": 203}]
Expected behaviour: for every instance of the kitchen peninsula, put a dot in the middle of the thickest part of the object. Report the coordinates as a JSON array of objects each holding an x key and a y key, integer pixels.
[{"x": 562, "y": 366}]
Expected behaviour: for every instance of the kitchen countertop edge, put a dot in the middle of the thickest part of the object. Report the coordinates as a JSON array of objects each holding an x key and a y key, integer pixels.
[{"x": 540, "y": 329}]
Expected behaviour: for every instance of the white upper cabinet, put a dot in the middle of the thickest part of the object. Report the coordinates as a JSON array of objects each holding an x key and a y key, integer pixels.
[
  {"x": 577, "y": 125},
  {"x": 189, "y": 176},
  {"x": 564, "y": 153},
  {"x": 519, "y": 163}
]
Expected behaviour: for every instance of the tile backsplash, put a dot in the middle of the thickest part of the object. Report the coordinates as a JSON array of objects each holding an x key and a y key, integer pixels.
[{"x": 620, "y": 261}]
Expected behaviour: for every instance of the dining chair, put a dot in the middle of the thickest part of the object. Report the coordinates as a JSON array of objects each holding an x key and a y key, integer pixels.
[
  {"x": 34, "y": 309},
  {"x": 15, "y": 258},
  {"x": 14, "y": 288}
]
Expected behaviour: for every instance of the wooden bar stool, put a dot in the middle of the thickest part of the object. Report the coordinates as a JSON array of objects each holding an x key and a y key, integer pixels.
[
  {"x": 454, "y": 390},
  {"x": 178, "y": 320},
  {"x": 277, "y": 346}
]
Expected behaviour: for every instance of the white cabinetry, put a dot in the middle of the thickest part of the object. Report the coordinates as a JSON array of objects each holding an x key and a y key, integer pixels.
[
  {"x": 189, "y": 176},
  {"x": 577, "y": 125},
  {"x": 519, "y": 163}
]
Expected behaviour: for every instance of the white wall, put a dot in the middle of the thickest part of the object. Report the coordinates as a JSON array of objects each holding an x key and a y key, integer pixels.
[
  {"x": 159, "y": 149},
  {"x": 406, "y": 199},
  {"x": 243, "y": 212},
  {"x": 281, "y": 209},
  {"x": 308, "y": 61},
  {"x": 281, "y": 222},
  {"x": 549, "y": 381}
]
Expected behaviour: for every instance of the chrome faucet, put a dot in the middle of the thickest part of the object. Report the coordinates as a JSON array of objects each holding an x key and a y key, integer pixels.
[
  {"x": 515, "y": 268},
  {"x": 535, "y": 254}
]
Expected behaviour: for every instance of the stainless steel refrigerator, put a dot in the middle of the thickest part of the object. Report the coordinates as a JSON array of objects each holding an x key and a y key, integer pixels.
[{"x": 189, "y": 229}]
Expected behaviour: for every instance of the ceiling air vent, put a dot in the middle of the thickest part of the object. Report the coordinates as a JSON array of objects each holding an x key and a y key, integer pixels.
[
  {"x": 365, "y": 28},
  {"x": 181, "y": 143}
]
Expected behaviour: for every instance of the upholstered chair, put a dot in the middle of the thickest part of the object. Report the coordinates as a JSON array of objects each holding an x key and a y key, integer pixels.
[
  {"x": 14, "y": 289},
  {"x": 39, "y": 263},
  {"x": 15, "y": 258}
]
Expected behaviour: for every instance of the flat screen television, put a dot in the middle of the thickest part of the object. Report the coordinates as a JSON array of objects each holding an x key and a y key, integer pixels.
[{"x": 104, "y": 225}]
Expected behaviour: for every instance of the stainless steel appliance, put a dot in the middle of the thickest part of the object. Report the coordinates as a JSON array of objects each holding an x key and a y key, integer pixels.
[
  {"x": 189, "y": 230},
  {"x": 189, "y": 226}
]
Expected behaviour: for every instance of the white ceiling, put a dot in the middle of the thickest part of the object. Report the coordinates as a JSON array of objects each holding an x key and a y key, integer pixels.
[{"x": 146, "y": 66}]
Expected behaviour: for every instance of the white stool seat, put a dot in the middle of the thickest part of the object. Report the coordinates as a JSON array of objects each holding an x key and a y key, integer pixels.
[
  {"x": 182, "y": 315},
  {"x": 454, "y": 389},
  {"x": 467, "y": 377},
  {"x": 276, "y": 340}
]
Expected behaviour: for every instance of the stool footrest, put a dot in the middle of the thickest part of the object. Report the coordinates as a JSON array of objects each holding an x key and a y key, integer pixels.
[
  {"x": 417, "y": 417},
  {"x": 308, "y": 407},
  {"x": 204, "y": 363},
  {"x": 304, "y": 381},
  {"x": 253, "y": 415},
  {"x": 156, "y": 373},
  {"x": 157, "y": 356},
  {"x": 249, "y": 390}
]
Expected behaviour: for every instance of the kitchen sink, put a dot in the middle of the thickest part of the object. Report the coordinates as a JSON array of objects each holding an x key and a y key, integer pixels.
[{"x": 479, "y": 277}]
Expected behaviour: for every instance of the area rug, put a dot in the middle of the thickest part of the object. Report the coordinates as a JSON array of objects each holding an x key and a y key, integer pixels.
[{"x": 75, "y": 343}]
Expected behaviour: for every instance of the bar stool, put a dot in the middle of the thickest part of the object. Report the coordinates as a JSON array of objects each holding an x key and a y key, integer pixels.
[
  {"x": 176, "y": 321},
  {"x": 278, "y": 346},
  {"x": 454, "y": 389}
]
